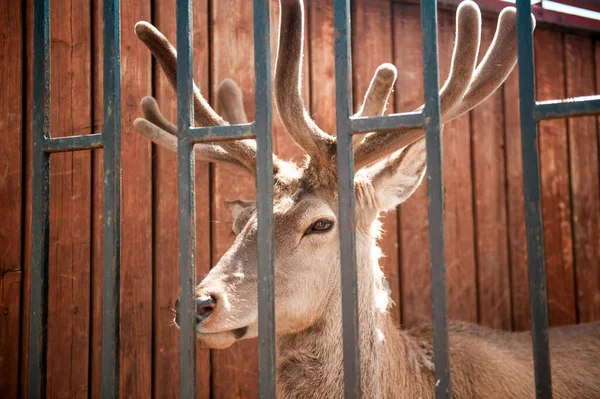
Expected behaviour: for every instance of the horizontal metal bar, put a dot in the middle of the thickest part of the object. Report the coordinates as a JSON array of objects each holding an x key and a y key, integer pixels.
[
  {"x": 395, "y": 121},
  {"x": 73, "y": 143},
  {"x": 221, "y": 133},
  {"x": 576, "y": 106}
]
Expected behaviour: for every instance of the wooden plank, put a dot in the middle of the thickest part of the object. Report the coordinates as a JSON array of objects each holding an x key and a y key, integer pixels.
[
  {"x": 414, "y": 239},
  {"x": 11, "y": 192},
  {"x": 136, "y": 212},
  {"x": 70, "y": 199},
  {"x": 166, "y": 369},
  {"x": 459, "y": 223},
  {"x": 372, "y": 34},
  {"x": 322, "y": 66},
  {"x": 585, "y": 188},
  {"x": 489, "y": 190},
  {"x": 27, "y": 181},
  {"x": 460, "y": 256},
  {"x": 521, "y": 319},
  {"x": 556, "y": 206},
  {"x": 234, "y": 370},
  {"x": 95, "y": 382}
]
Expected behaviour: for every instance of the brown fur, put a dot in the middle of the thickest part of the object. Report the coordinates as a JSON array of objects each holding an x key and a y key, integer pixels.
[{"x": 390, "y": 166}]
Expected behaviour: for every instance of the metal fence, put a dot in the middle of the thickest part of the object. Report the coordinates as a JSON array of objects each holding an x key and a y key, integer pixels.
[{"x": 261, "y": 129}]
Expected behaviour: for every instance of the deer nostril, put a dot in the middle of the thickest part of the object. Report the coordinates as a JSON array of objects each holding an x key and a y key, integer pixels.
[{"x": 204, "y": 306}]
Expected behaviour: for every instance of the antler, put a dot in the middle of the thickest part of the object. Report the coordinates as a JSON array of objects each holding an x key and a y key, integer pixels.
[
  {"x": 463, "y": 90},
  {"x": 288, "y": 98},
  {"x": 162, "y": 132},
  {"x": 204, "y": 115},
  {"x": 377, "y": 95}
]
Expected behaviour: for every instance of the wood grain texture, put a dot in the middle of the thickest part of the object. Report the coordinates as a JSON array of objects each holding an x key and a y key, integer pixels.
[
  {"x": 27, "y": 113},
  {"x": 136, "y": 211},
  {"x": 372, "y": 35},
  {"x": 585, "y": 189},
  {"x": 95, "y": 380},
  {"x": 415, "y": 285},
  {"x": 458, "y": 179},
  {"x": 165, "y": 377},
  {"x": 322, "y": 66},
  {"x": 11, "y": 193},
  {"x": 70, "y": 203},
  {"x": 554, "y": 170},
  {"x": 517, "y": 244},
  {"x": 489, "y": 192},
  {"x": 234, "y": 370}
]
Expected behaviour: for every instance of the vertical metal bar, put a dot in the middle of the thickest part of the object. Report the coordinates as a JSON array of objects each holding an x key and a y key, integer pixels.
[
  {"x": 435, "y": 193},
  {"x": 347, "y": 218},
  {"x": 264, "y": 190},
  {"x": 111, "y": 137},
  {"x": 38, "y": 338},
  {"x": 533, "y": 202},
  {"x": 185, "y": 188}
]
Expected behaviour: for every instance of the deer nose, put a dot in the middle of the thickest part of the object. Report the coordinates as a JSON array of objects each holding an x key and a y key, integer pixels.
[{"x": 205, "y": 306}]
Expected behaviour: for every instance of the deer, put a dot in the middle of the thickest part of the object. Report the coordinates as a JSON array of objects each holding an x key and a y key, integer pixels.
[{"x": 389, "y": 166}]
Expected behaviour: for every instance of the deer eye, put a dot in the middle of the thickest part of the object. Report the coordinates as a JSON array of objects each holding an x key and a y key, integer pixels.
[{"x": 320, "y": 226}]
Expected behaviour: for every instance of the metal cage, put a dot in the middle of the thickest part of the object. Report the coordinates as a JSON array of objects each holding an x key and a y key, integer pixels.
[{"x": 261, "y": 129}]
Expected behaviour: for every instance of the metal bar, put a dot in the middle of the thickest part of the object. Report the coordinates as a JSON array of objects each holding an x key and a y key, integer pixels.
[
  {"x": 395, "y": 121},
  {"x": 73, "y": 143},
  {"x": 533, "y": 214},
  {"x": 40, "y": 220},
  {"x": 264, "y": 190},
  {"x": 347, "y": 218},
  {"x": 221, "y": 133},
  {"x": 435, "y": 193},
  {"x": 577, "y": 106},
  {"x": 185, "y": 188},
  {"x": 111, "y": 251}
]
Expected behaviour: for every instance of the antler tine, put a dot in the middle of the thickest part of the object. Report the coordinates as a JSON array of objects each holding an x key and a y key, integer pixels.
[
  {"x": 377, "y": 95},
  {"x": 497, "y": 64},
  {"x": 464, "y": 57},
  {"x": 202, "y": 152},
  {"x": 153, "y": 115},
  {"x": 230, "y": 101},
  {"x": 204, "y": 115},
  {"x": 288, "y": 97}
]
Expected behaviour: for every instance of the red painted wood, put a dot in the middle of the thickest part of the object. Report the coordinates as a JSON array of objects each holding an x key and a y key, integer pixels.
[
  {"x": 12, "y": 69},
  {"x": 585, "y": 187},
  {"x": 556, "y": 204},
  {"x": 415, "y": 285},
  {"x": 372, "y": 35},
  {"x": 521, "y": 319},
  {"x": 489, "y": 192},
  {"x": 70, "y": 203},
  {"x": 234, "y": 370},
  {"x": 136, "y": 212}
]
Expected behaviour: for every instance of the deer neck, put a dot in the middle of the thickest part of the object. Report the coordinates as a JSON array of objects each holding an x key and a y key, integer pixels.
[{"x": 309, "y": 363}]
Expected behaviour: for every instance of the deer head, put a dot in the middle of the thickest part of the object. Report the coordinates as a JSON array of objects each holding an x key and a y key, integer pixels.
[{"x": 389, "y": 166}]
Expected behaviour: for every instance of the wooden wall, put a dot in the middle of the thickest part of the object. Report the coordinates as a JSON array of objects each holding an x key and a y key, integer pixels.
[{"x": 485, "y": 231}]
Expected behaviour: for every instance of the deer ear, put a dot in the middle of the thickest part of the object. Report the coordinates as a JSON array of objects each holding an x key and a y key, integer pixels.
[
  {"x": 396, "y": 178},
  {"x": 236, "y": 207}
]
